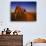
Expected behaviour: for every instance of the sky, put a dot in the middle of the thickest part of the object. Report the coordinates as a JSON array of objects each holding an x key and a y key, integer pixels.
[
  {"x": 29, "y": 6},
  {"x": 31, "y": 30}
]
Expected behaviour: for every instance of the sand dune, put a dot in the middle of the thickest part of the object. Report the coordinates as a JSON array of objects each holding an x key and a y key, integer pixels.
[{"x": 39, "y": 40}]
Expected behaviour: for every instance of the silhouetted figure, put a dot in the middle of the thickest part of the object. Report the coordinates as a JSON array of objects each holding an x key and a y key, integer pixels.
[
  {"x": 15, "y": 33},
  {"x": 8, "y": 31},
  {"x": 3, "y": 32},
  {"x": 31, "y": 43}
]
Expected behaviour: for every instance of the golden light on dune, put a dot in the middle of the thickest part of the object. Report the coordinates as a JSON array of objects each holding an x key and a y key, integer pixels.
[{"x": 39, "y": 40}]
